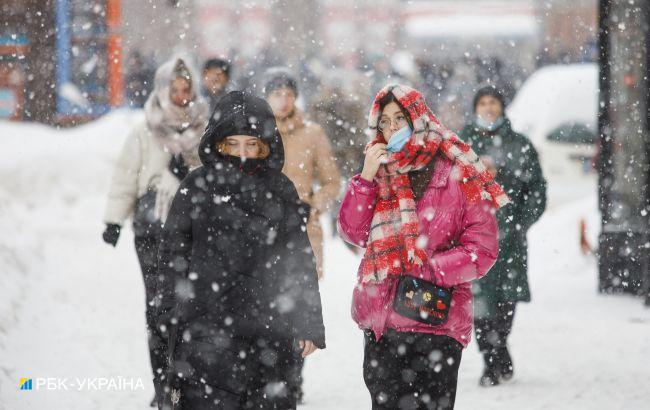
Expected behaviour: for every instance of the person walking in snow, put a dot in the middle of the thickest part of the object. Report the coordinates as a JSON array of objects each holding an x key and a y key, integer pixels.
[
  {"x": 513, "y": 161},
  {"x": 238, "y": 302},
  {"x": 309, "y": 159},
  {"x": 308, "y": 152},
  {"x": 423, "y": 208},
  {"x": 155, "y": 156},
  {"x": 342, "y": 116},
  {"x": 216, "y": 76}
]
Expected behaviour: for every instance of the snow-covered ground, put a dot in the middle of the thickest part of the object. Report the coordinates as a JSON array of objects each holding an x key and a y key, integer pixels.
[{"x": 72, "y": 307}]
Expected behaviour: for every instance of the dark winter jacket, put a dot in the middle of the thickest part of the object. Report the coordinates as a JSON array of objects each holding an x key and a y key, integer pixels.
[
  {"x": 520, "y": 174},
  {"x": 213, "y": 99},
  {"x": 235, "y": 263}
]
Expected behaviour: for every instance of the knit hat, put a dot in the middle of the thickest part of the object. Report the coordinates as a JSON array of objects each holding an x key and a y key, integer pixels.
[
  {"x": 279, "y": 77},
  {"x": 219, "y": 63},
  {"x": 490, "y": 91}
]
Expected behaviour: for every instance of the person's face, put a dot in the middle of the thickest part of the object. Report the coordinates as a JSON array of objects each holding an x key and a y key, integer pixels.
[
  {"x": 282, "y": 102},
  {"x": 243, "y": 146},
  {"x": 180, "y": 91},
  {"x": 214, "y": 80},
  {"x": 488, "y": 108},
  {"x": 391, "y": 120}
]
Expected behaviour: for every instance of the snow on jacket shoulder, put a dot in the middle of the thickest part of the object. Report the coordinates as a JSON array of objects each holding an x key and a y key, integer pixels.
[{"x": 139, "y": 166}]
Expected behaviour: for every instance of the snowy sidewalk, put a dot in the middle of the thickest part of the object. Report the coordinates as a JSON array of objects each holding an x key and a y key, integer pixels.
[
  {"x": 81, "y": 315},
  {"x": 572, "y": 348}
]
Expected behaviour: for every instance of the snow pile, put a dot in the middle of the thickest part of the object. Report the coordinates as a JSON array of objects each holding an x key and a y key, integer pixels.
[
  {"x": 40, "y": 163},
  {"x": 555, "y": 95},
  {"x": 47, "y": 175}
]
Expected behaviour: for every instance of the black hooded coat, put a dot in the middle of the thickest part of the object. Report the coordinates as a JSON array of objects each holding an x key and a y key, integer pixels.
[{"x": 236, "y": 267}]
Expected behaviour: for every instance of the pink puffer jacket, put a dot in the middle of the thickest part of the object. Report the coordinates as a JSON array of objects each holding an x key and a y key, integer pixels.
[{"x": 462, "y": 246}]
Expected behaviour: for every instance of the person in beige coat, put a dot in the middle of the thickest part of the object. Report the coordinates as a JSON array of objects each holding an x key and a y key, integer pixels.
[
  {"x": 308, "y": 159},
  {"x": 308, "y": 153},
  {"x": 156, "y": 154}
]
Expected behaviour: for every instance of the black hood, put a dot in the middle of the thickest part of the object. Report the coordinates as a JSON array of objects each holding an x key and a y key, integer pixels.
[{"x": 240, "y": 113}]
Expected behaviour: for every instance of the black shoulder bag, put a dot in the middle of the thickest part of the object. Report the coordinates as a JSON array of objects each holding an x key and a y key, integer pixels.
[{"x": 422, "y": 301}]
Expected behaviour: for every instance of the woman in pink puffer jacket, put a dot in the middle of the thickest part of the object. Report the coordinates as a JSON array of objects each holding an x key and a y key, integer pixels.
[{"x": 423, "y": 207}]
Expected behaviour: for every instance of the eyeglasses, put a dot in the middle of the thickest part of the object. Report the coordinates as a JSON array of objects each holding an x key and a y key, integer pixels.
[{"x": 399, "y": 120}]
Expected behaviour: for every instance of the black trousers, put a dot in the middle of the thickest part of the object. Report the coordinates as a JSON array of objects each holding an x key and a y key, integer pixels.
[
  {"x": 492, "y": 334},
  {"x": 265, "y": 372},
  {"x": 295, "y": 379},
  {"x": 408, "y": 371},
  {"x": 147, "y": 250}
]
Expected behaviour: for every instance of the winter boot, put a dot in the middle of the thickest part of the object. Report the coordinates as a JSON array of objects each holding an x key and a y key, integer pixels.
[
  {"x": 504, "y": 362},
  {"x": 489, "y": 378},
  {"x": 490, "y": 375}
]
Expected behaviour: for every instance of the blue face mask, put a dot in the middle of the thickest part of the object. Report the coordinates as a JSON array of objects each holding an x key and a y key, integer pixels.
[
  {"x": 489, "y": 126},
  {"x": 399, "y": 139}
]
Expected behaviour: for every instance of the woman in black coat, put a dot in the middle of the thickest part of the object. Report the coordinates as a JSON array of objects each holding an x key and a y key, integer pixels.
[{"x": 238, "y": 302}]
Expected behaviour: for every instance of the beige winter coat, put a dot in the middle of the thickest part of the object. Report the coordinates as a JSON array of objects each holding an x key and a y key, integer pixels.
[{"x": 309, "y": 159}]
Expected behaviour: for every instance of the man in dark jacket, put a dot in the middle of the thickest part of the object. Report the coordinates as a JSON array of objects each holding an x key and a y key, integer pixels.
[
  {"x": 513, "y": 159},
  {"x": 238, "y": 294}
]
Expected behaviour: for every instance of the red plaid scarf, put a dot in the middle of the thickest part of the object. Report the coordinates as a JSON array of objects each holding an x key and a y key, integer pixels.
[{"x": 392, "y": 247}]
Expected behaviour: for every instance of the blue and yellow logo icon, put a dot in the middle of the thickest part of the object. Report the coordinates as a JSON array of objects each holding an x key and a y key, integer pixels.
[{"x": 25, "y": 383}]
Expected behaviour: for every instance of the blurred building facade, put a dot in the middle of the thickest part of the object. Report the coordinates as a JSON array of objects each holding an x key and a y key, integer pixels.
[
  {"x": 60, "y": 60},
  {"x": 75, "y": 63}
]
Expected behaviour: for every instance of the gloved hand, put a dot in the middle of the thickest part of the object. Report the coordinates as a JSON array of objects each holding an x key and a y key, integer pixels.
[
  {"x": 178, "y": 167},
  {"x": 165, "y": 193},
  {"x": 111, "y": 234}
]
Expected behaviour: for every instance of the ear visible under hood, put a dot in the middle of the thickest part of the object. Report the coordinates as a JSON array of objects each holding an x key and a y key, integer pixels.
[{"x": 239, "y": 113}]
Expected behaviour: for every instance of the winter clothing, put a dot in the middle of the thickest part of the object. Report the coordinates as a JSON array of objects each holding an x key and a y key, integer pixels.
[
  {"x": 111, "y": 234},
  {"x": 147, "y": 151},
  {"x": 220, "y": 63},
  {"x": 446, "y": 219},
  {"x": 491, "y": 91},
  {"x": 146, "y": 248},
  {"x": 391, "y": 248},
  {"x": 434, "y": 190},
  {"x": 343, "y": 121},
  {"x": 279, "y": 77},
  {"x": 178, "y": 167},
  {"x": 491, "y": 336},
  {"x": 142, "y": 173},
  {"x": 178, "y": 129},
  {"x": 519, "y": 172},
  {"x": 460, "y": 245},
  {"x": 309, "y": 157},
  {"x": 266, "y": 365},
  {"x": 225, "y": 67},
  {"x": 237, "y": 272},
  {"x": 213, "y": 99},
  {"x": 411, "y": 370},
  {"x": 138, "y": 168}
]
